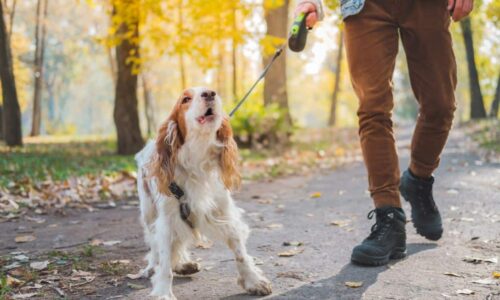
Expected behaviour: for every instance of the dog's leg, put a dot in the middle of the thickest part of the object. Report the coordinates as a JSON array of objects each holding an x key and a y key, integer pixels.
[
  {"x": 236, "y": 233},
  {"x": 162, "y": 279},
  {"x": 181, "y": 260}
]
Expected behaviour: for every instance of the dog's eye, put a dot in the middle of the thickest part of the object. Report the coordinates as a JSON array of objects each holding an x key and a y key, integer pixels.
[{"x": 186, "y": 99}]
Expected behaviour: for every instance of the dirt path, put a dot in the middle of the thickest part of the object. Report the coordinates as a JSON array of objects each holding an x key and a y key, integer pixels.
[{"x": 467, "y": 192}]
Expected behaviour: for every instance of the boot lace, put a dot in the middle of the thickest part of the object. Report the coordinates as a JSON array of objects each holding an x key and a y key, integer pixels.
[{"x": 382, "y": 224}]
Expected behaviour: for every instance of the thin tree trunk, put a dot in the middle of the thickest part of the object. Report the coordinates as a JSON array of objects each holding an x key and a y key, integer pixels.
[
  {"x": 125, "y": 112},
  {"x": 496, "y": 100},
  {"x": 11, "y": 112},
  {"x": 40, "y": 32},
  {"x": 234, "y": 53},
  {"x": 148, "y": 104},
  {"x": 112, "y": 63},
  {"x": 338, "y": 73},
  {"x": 477, "y": 109},
  {"x": 275, "y": 89}
]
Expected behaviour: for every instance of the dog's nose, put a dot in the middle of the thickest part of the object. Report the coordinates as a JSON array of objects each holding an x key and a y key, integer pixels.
[{"x": 208, "y": 95}]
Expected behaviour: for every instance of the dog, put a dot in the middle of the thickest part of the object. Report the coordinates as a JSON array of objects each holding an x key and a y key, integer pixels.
[{"x": 184, "y": 181}]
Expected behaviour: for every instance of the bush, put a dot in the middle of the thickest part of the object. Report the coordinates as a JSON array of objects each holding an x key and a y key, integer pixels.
[{"x": 258, "y": 126}]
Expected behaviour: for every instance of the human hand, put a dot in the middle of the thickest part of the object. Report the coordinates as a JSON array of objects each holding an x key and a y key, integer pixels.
[
  {"x": 310, "y": 9},
  {"x": 460, "y": 8}
]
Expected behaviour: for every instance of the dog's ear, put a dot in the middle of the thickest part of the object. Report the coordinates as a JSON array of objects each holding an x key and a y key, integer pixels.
[
  {"x": 229, "y": 156},
  {"x": 168, "y": 143}
]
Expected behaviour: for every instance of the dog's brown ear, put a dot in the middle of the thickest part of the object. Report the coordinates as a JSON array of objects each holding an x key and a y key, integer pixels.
[
  {"x": 229, "y": 156},
  {"x": 168, "y": 143}
]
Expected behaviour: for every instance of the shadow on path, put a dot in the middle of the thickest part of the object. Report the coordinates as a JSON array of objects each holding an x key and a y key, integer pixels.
[{"x": 334, "y": 287}]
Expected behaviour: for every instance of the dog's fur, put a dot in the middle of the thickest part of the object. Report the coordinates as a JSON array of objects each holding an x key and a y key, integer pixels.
[{"x": 198, "y": 152}]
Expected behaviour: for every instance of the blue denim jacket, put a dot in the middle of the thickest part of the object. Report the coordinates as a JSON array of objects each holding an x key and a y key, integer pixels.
[
  {"x": 347, "y": 7},
  {"x": 350, "y": 7}
]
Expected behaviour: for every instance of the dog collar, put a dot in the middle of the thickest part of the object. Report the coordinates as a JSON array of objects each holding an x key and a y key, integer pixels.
[{"x": 184, "y": 209}]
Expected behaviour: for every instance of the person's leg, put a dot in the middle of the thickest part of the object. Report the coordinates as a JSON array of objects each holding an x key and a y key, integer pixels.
[
  {"x": 431, "y": 62},
  {"x": 372, "y": 45},
  {"x": 371, "y": 40}
]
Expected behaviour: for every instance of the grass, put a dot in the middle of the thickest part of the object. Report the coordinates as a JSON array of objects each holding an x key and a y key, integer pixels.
[
  {"x": 486, "y": 133},
  {"x": 58, "y": 159}
]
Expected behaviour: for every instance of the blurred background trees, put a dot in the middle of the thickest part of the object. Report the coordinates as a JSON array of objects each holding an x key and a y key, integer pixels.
[{"x": 116, "y": 67}]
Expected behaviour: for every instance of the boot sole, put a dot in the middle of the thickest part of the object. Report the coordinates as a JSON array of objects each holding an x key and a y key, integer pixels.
[{"x": 368, "y": 260}]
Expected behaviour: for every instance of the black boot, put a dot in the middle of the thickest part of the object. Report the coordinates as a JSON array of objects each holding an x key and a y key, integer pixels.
[
  {"x": 424, "y": 212},
  {"x": 387, "y": 239}
]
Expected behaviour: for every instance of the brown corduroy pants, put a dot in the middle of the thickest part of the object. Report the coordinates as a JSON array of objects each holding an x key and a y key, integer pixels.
[{"x": 372, "y": 39}]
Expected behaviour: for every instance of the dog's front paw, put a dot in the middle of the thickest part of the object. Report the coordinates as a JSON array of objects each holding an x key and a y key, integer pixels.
[
  {"x": 188, "y": 268},
  {"x": 256, "y": 284}
]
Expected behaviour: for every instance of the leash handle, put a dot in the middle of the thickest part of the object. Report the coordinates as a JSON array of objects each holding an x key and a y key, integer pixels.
[{"x": 298, "y": 33}]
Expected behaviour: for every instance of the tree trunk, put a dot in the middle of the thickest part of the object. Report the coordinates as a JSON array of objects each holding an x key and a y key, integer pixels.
[
  {"x": 125, "y": 113},
  {"x": 338, "y": 73},
  {"x": 477, "y": 109},
  {"x": 496, "y": 100},
  {"x": 234, "y": 53},
  {"x": 11, "y": 112},
  {"x": 149, "y": 111},
  {"x": 275, "y": 90},
  {"x": 40, "y": 32}
]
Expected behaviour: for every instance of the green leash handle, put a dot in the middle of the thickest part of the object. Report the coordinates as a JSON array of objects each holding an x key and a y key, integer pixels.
[{"x": 298, "y": 33}]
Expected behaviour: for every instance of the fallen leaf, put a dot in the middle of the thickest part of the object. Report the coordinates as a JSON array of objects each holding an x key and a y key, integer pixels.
[
  {"x": 24, "y": 296},
  {"x": 496, "y": 274},
  {"x": 96, "y": 242},
  {"x": 121, "y": 261},
  {"x": 24, "y": 238},
  {"x": 452, "y": 274},
  {"x": 465, "y": 292},
  {"x": 135, "y": 286},
  {"x": 290, "y": 274},
  {"x": 134, "y": 276},
  {"x": 290, "y": 253},
  {"x": 354, "y": 284},
  {"x": 14, "y": 282},
  {"x": 111, "y": 243},
  {"x": 265, "y": 201},
  {"x": 485, "y": 281},
  {"x": 339, "y": 223},
  {"x": 293, "y": 243},
  {"x": 275, "y": 226},
  {"x": 316, "y": 195},
  {"x": 39, "y": 265},
  {"x": 478, "y": 260}
]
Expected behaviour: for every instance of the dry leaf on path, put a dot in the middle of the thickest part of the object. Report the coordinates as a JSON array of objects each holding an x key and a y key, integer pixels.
[
  {"x": 354, "y": 284},
  {"x": 486, "y": 281},
  {"x": 339, "y": 223},
  {"x": 39, "y": 265},
  {"x": 134, "y": 276},
  {"x": 496, "y": 275},
  {"x": 25, "y": 238},
  {"x": 316, "y": 195},
  {"x": 24, "y": 296},
  {"x": 275, "y": 226},
  {"x": 465, "y": 292},
  {"x": 290, "y": 253},
  {"x": 452, "y": 274},
  {"x": 478, "y": 260},
  {"x": 293, "y": 243},
  {"x": 111, "y": 243}
]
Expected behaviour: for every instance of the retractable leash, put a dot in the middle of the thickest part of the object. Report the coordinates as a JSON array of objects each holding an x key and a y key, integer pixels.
[{"x": 296, "y": 42}]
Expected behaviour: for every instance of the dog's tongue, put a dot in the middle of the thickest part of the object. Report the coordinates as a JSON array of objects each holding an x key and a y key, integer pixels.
[{"x": 202, "y": 119}]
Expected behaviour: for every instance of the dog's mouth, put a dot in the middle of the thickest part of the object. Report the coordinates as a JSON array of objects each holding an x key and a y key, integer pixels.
[{"x": 209, "y": 116}]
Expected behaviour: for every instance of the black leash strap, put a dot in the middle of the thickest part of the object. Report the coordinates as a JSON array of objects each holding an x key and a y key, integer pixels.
[
  {"x": 183, "y": 206},
  {"x": 266, "y": 69}
]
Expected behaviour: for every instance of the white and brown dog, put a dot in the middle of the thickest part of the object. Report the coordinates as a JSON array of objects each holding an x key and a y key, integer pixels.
[{"x": 184, "y": 182}]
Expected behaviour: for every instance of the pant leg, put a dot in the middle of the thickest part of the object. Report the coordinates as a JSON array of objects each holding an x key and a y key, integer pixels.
[
  {"x": 371, "y": 40},
  {"x": 431, "y": 63}
]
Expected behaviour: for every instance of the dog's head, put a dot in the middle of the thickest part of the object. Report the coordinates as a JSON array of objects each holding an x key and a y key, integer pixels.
[{"x": 197, "y": 115}]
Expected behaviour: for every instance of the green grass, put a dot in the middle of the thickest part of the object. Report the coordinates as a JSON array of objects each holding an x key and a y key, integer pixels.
[
  {"x": 56, "y": 159},
  {"x": 486, "y": 133}
]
